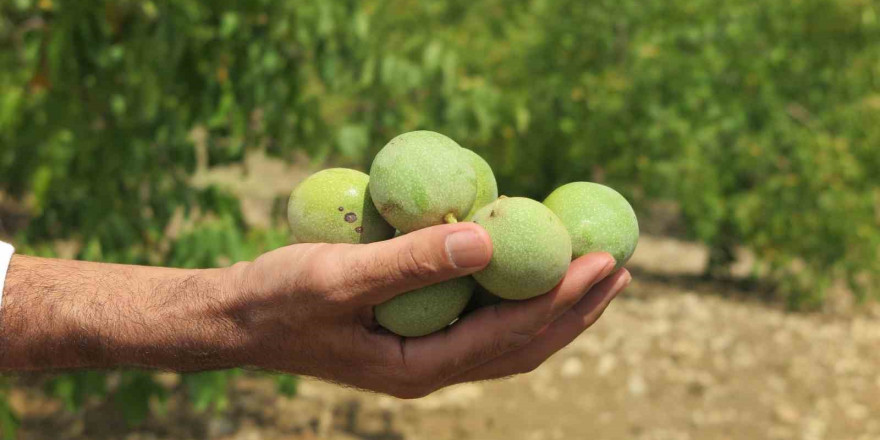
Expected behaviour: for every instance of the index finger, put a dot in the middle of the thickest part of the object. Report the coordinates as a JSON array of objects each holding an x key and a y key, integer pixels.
[{"x": 559, "y": 334}]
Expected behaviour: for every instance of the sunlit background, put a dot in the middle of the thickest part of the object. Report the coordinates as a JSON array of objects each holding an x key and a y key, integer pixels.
[{"x": 746, "y": 135}]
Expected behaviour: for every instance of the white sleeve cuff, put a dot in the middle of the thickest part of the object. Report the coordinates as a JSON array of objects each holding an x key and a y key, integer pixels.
[{"x": 6, "y": 251}]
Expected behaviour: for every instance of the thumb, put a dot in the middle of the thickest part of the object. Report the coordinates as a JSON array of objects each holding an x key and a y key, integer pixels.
[{"x": 379, "y": 271}]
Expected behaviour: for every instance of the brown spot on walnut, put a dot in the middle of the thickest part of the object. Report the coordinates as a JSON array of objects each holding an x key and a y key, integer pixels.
[
  {"x": 492, "y": 213},
  {"x": 359, "y": 229},
  {"x": 386, "y": 208},
  {"x": 351, "y": 217},
  {"x": 341, "y": 209}
]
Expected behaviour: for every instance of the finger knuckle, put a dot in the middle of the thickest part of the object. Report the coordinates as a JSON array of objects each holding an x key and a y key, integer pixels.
[
  {"x": 512, "y": 339},
  {"x": 324, "y": 271},
  {"x": 320, "y": 282},
  {"x": 518, "y": 338},
  {"x": 414, "y": 264}
]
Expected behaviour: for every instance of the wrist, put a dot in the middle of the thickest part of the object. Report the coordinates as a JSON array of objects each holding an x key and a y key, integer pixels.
[
  {"x": 195, "y": 323},
  {"x": 235, "y": 313}
]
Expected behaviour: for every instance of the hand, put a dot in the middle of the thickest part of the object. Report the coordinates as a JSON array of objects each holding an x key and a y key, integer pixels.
[
  {"x": 307, "y": 309},
  {"x": 304, "y": 309}
]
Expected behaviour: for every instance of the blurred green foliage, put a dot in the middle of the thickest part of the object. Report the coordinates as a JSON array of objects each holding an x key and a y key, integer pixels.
[{"x": 760, "y": 120}]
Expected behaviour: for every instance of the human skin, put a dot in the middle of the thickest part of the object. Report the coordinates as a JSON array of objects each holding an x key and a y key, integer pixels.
[{"x": 304, "y": 309}]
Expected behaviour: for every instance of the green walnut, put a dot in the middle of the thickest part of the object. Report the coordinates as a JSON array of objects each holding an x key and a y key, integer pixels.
[
  {"x": 334, "y": 206},
  {"x": 487, "y": 187},
  {"x": 421, "y": 179},
  {"x": 426, "y": 310},
  {"x": 532, "y": 249},
  {"x": 598, "y": 219}
]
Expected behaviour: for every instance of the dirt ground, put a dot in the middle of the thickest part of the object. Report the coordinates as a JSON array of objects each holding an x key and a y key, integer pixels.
[{"x": 674, "y": 357}]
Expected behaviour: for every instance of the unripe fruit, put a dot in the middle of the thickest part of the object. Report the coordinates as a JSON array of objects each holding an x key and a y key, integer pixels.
[
  {"x": 487, "y": 187},
  {"x": 421, "y": 179},
  {"x": 532, "y": 249},
  {"x": 426, "y": 310},
  {"x": 334, "y": 206},
  {"x": 598, "y": 219}
]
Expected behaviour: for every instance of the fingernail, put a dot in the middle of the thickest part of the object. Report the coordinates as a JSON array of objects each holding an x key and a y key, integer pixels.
[
  {"x": 621, "y": 284},
  {"x": 466, "y": 249},
  {"x": 609, "y": 267}
]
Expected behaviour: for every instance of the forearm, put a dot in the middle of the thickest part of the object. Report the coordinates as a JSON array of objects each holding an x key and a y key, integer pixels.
[{"x": 60, "y": 314}]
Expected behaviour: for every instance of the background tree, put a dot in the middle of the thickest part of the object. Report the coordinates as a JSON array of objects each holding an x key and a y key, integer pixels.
[{"x": 760, "y": 121}]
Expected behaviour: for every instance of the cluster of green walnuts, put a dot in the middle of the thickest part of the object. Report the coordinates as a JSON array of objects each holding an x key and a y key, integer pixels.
[{"x": 422, "y": 178}]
